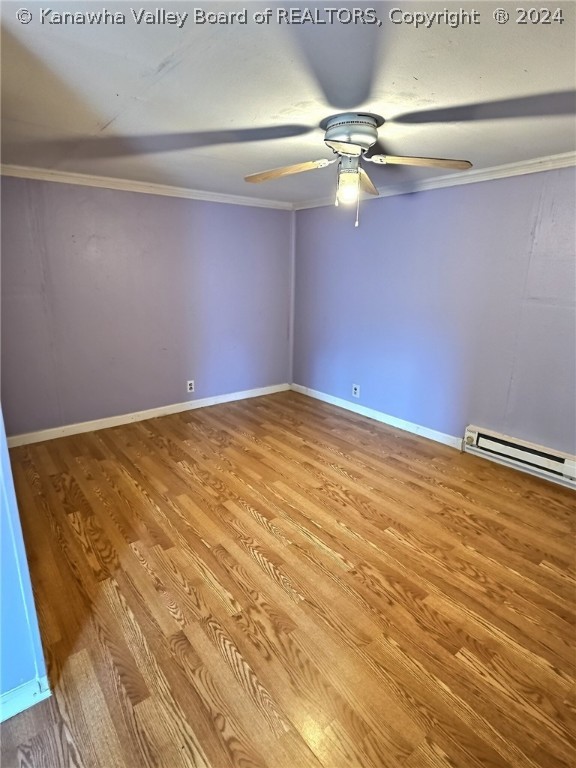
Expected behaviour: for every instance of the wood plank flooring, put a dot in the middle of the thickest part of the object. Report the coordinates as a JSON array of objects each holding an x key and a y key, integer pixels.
[{"x": 276, "y": 583}]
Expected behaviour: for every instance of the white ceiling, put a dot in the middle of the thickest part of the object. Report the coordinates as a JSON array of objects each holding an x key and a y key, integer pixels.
[{"x": 65, "y": 84}]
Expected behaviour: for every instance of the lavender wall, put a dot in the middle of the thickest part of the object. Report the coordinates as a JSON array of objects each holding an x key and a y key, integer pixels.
[
  {"x": 448, "y": 307},
  {"x": 112, "y": 300}
]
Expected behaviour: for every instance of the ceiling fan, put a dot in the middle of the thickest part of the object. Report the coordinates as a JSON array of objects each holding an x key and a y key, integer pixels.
[{"x": 350, "y": 135}]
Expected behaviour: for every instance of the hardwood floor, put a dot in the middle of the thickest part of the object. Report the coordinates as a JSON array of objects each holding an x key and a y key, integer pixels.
[{"x": 278, "y": 583}]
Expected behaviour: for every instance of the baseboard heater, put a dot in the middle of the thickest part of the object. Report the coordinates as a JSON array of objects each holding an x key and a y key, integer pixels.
[{"x": 536, "y": 459}]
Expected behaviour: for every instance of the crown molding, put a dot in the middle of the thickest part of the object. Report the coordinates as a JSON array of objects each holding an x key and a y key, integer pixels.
[
  {"x": 550, "y": 163},
  {"x": 147, "y": 188}
]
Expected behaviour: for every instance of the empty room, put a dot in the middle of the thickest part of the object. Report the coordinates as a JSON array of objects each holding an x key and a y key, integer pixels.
[{"x": 288, "y": 385}]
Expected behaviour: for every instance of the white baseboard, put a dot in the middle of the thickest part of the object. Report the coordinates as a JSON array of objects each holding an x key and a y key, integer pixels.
[
  {"x": 165, "y": 410},
  {"x": 18, "y": 699},
  {"x": 384, "y": 418},
  {"x": 128, "y": 418}
]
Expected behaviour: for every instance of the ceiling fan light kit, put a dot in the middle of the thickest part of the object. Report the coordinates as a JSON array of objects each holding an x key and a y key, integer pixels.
[
  {"x": 349, "y": 183},
  {"x": 350, "y": 135},
  {"x": 348, "y": 188}
]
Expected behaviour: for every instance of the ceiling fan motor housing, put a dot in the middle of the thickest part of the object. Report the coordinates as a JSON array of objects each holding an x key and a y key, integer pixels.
[{"x": 351, "y": 133}]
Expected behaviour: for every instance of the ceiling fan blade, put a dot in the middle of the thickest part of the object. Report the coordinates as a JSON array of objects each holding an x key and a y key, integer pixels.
[
  {"x": 96, "y": 147},
  {"x": 287, "y": 170},
  {"x": 542, "y": 105},
  {"x": 431, "y": 162},
  {"x": 366, "y": 184},
  {"x": 341, "y": 56}
]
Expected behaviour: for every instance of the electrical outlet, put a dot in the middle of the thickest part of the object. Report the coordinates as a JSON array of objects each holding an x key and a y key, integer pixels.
[
  {"x": 191, "y": 386},
  {"x": 355, "y": 390}
]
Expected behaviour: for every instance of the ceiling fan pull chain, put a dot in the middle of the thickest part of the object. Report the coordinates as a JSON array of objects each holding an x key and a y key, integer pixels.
[{"x": 357, "y": 210}]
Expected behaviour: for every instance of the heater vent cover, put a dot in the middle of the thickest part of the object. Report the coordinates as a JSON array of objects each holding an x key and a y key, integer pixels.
[{"x": 528, "y": 457}]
